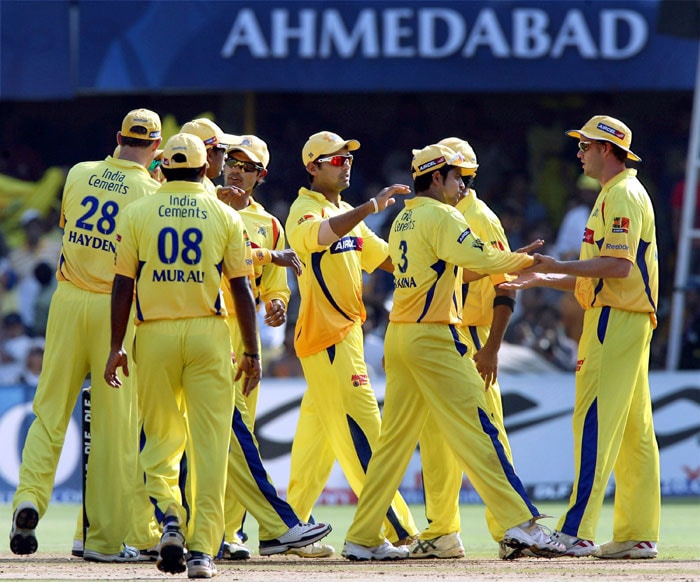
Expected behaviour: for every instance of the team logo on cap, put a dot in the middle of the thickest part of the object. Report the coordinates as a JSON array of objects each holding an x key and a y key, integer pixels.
[
  {"x": 431, "y": 163},
  {"x": 611, "y": 130}
]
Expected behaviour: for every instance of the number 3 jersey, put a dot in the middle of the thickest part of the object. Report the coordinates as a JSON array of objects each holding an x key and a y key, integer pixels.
[
  {"x": 176, "y": 244},
  {"x": 94, "y": 196},
  {"x": 428, "y": 243}
]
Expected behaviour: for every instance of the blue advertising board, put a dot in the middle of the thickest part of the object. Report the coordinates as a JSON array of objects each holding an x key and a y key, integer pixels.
[{"x": 332, "y": 46}]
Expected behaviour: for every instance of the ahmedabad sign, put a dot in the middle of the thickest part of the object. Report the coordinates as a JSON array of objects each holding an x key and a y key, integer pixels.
[{"x": 331, "y": 46}]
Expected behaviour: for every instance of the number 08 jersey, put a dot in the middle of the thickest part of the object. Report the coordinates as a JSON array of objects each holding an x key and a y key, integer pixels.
[
  {"x": 176, "y": 244},
  {"x": 94, "y": 196}
]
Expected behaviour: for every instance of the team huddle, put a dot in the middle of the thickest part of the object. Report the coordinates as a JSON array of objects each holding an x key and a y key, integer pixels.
[{"x": 169, "y": 300}]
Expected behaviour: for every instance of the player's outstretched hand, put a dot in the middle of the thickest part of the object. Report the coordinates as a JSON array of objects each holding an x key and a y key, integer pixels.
[
  {"x": 525, "y": 280},
  {"x": 533, "y": 246},
  {"x": 386, "y": 197},
  {"x": 275, "y": 313},
  {"x": 250, "y": 369},
  {"x": 117, "y": 359},
  {"x": 286, "y": 258},
  {"x": 227, "y": 194}
]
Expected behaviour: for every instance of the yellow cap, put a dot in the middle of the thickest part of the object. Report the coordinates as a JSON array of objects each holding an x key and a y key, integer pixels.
[
  {"x": 210, "y": 133},
  {"x": 462, "y": 146},
  {"x": 605, "y": 128},
  {"x": 141, "y": 124},
  {"x": 437, "y": 155},
  {"x": 253, "y": 147},
  {"x": 323, "y": 143},
  {"x": 184, "y": 150}
]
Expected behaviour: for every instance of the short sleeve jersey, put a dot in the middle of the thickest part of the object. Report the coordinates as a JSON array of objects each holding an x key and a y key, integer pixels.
[
  {"x": 264, "y": 232},
  {"x": 330, "y": 285},
  {"x": 429, "y": 242},
  {"x": 478, "y": 295},
  {"x": 177, "y": 244},
  {"x": 95, "y": 195},
  {"x": 622, "y": 225}
]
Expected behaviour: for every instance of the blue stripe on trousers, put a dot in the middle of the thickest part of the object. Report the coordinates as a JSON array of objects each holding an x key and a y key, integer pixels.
[
  {"x": 589, "y": 458},
  {"x": 364, "y": 454},
  {"x": 254, "y": 462},
  {"x": 506, "y": 465}
]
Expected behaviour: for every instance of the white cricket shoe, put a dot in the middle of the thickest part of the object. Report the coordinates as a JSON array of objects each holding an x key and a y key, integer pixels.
[
  {"x": 631, "y": 550},
  {"x": 529, "y": 535},
  {"x": 314, "y": 550},
  {"x": 234, "y": 551},
  {"x": 127, "y": 554},
  {"x": 386, "y": 551},
  {"x": 298, "y": 536},
  {"x": 447, "y": 546},
  {"x": 200, "y": 566},
  {"x": 23, "y": 535},
  {"x": 576, "y": 547}
]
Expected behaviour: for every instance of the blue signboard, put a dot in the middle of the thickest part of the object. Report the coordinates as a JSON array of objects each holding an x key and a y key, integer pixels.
[{"x": 332, "y": 46}]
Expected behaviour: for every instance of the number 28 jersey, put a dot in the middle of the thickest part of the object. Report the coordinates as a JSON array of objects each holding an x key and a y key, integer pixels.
[
  {"x": 94, "y": 196},
  {"x": 177, "y": 244}
]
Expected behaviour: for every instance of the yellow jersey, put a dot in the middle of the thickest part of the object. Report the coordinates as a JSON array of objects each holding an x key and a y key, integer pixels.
[
  {"x": 478, "y": 296},
  {"x": 621, "y": 224},
  {"x": 177, "y": 244},
  {"x": 269, "y": 281},
  {"x": 429, "y": 243},
  {"x": 330, "y": 285},
  {"x": 94, "y": 196}
]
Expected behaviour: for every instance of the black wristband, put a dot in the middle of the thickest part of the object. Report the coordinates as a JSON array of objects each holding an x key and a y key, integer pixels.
[
  {"x": 255, "y": 356},
  {"x": 504, "y": 300}
]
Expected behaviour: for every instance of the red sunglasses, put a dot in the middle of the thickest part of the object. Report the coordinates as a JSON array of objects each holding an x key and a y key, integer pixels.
[{"x": 337, "y": 160}]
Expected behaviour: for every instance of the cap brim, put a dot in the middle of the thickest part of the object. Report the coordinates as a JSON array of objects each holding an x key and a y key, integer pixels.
[
  {"x": 240, "y": 148},
  {"x": 578, "y": 134},
  {"x": 352, "y": 145}
]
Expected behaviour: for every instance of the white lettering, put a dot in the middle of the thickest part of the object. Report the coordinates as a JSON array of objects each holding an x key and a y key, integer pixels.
[
  {"x": 638, "y": 33},
  {"x": 530, "y": 38},
  {"x": 428, "y": 20},
  {"x": 282, "y": 32},
  {"x": 246, "y": 32},
  {"x": 435, "y": 33},
  {"x": 394, "y": 32},
  {"x": 487, "y": 32},
  {"x": 334, "y": 34},
  {"x": 574, "y": 33}
]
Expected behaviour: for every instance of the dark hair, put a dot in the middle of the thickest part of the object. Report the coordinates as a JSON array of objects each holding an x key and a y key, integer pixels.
[
  {"x": 422, "y": 183},
  {"x": 136, "y": 142},
  {"x": 182, "y": 174},
  {"x": 618, "y": 152}
]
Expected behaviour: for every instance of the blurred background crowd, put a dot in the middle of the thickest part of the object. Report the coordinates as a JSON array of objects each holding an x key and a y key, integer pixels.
[{"x": 528, "y": 174}]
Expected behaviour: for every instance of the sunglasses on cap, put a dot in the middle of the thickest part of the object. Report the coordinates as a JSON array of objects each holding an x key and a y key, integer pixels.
[
  {"x": 337, "y": 160},
  {"x": 154, "y": 164},
  {"x": 584, "y": 146},
  {"x": 247, "y": 167}
]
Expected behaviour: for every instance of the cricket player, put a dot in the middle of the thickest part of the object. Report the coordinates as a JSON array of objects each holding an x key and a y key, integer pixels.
[
  {"x": 615, "y": 280},
  {"x": 427, "y": 365},
  {"x": 246, "y": 167},
  {"x": 486, "y": 313},
  {"x": 95, "y": 196},
  {"x": 339, "y": 416},
  {"x": 173, "y": 251}
]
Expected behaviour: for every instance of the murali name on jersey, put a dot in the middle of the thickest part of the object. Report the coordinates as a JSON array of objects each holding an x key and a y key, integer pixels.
[{"x": 177, "y": 276}]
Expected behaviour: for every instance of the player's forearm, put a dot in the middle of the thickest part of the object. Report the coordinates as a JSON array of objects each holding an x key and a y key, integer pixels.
[
  {"x": 122, "y": 298},
  {"x": 597, "y": 267},
  {"x": 502, "y": 314},
  {"x": 342, "y": 224},
  {"x": 245, "y": 313}
]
